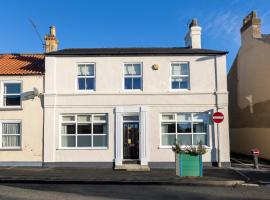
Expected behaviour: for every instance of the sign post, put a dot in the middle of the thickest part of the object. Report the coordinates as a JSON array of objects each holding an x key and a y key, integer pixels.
[
  {"x": 217, "y": 118},
  {"x": 255, "y": 152}
]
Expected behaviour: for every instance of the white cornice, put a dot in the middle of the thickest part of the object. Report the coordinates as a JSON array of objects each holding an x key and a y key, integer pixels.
[
  {"x": 148, "y": 105},
  {"x": 136, "y": 93}
]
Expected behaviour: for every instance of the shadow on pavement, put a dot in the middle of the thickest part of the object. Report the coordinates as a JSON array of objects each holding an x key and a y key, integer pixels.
[{"x": 244, "y": 165}]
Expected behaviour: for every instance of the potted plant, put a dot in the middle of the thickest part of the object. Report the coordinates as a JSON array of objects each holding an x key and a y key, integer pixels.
[{"x": 188, "y": 160}]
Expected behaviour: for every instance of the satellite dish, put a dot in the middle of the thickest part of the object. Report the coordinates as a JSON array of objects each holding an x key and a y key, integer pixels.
[{"x": 36, "y": 92}]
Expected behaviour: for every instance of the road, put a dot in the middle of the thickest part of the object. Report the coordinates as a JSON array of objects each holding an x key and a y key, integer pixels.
[{"x": 82, "y": 192}]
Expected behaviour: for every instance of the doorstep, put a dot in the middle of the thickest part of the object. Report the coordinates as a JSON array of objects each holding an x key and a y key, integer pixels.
[{"x": 132, "y": 168}]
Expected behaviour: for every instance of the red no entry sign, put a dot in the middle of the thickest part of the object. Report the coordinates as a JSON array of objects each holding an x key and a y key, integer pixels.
[
  {"x": 255, "y": 151},
  {"x": 218, "y": 117}
]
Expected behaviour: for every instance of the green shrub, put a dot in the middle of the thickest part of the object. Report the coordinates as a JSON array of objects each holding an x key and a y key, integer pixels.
[{"x": 193, "y": 150}]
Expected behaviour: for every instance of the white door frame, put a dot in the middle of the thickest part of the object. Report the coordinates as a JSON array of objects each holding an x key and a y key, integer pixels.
[{"x": 119, "y": 113}]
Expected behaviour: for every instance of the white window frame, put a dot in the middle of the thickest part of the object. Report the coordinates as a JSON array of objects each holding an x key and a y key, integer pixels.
[
  {"x": 192, "y": 121},
  {"x": 2, "y": 94},
  {"x": 132, "y": 76},
  {"x": 1, "y": 134},
  {"x": 76, "y": 131},
  {"x": 78, "y": 76},
  {"x": 179, "y": 76}
]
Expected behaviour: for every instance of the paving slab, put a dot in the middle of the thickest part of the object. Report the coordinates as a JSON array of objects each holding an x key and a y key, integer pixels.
[
  {"x": 212, "y": 176},
  {"x": 243, "y": 164}
]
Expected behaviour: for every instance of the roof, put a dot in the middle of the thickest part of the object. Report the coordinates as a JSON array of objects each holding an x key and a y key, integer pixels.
[
  {"x": 155, "y": 51},
  {"x": 21, "y": 64},
  {"x": 265, "y": 38}
]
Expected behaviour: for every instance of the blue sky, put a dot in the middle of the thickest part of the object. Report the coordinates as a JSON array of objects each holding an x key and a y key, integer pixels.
[{"x": 126, "y": 23}]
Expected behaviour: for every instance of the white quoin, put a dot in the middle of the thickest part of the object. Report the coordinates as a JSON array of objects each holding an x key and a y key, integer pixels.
[{"x": 193, "y": 37}]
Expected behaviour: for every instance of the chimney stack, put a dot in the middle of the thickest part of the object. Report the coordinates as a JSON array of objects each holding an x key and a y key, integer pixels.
[
  {"x": 251, "y": 27},
  {"x": 51, "y": 43},
  {"x": 193, "y": 37}
]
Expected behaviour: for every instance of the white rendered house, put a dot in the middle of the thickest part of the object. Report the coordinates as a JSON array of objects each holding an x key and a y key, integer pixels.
[
  {"x": 21, "y": 111},
  {"x": 113, "y": 106}
]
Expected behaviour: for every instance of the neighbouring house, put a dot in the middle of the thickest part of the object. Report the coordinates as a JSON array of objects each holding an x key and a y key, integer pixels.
[
  {"x": 21, "y": 106},
  {"x": 21, "y": 109},
  {"x": 248, "y": 83},
  {"x": 107, "y": 107}
]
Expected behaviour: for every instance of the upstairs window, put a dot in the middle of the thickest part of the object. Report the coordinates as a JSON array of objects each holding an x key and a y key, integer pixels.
[
  {"x": 180, "y": 76},
  {"x": 133, "y": 76},
  {"x": 86, "y": 77},
  {"x": 11, "y": 94}
]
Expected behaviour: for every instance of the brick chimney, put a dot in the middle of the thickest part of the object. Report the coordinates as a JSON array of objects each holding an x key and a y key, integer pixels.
[
  {"x": 193, "y": 37},
  {"x": 51, "y": 43},
  {"x": 251, "y": 27}
]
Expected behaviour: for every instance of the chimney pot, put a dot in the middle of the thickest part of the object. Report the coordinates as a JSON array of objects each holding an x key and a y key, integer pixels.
[
  {"x": 52, "y": 30},
  {"x": 194, "y": 22},
  {"x": 51, "y": 43},
  {"x": 253, "y": 21}
]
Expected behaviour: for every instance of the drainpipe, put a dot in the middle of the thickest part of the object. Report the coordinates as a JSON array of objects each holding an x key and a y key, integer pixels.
[{"x": 217, "y": 108}]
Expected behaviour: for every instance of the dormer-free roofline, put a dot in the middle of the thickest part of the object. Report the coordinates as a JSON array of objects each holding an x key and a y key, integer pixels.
[{"x": 134, "y": 51}]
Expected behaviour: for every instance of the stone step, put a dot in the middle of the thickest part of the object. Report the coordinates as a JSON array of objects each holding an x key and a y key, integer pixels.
[{"x": 132, "y": 167}]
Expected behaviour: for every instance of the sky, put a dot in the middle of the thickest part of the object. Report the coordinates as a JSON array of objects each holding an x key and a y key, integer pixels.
[{"x": 126, "y": 23}]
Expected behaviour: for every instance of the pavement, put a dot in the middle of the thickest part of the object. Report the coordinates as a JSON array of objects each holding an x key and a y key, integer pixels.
[
  {"x": 213, "y": 176},
  {"x": 244, "y": 166},
  {"x": 241, "y": 172}
]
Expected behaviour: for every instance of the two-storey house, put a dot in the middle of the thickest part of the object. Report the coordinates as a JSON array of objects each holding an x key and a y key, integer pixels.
[
  {"x": 107, "y": 107},
  {"x": 21, "y": 109}
]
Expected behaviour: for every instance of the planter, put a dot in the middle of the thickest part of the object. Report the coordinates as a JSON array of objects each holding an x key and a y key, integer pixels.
[{"x": 188, "y": 165}]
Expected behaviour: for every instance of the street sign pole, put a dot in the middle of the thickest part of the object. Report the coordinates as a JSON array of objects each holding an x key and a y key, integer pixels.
[
  {"x": 218, "y": 137},
  {"x": 255, "y": 152},
  {"x": 218, "y": 117}
]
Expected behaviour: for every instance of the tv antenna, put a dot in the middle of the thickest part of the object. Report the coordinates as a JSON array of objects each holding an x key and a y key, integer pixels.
[
  {"x": 36, "y": 30},
  {"x": 188, "y": 22}
]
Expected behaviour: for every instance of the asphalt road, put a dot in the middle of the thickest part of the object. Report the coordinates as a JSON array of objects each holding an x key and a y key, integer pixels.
[{"x": 82, "y": 192}]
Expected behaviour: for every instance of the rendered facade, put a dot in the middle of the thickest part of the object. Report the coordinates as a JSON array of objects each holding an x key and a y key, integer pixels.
[
  {"x": 115, "y": 106},
  {"x": 21, "y": 109}
]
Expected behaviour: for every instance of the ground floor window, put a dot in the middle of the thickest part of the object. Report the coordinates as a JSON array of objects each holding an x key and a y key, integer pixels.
[
  {"x": 10, "y": 132},
  {"x": 184, "y": 128},
  {"x": 84, "y": 131}
]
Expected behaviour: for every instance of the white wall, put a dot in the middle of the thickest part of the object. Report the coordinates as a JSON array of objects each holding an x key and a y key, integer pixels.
[
  {"x": 31, "y": 116},
  {"x": 156, "y": 94},
  {"x": 62, "y": 71}
]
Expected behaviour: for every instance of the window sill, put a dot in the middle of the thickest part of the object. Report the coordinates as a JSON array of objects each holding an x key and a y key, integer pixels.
[
  {"x": 179, "y": 90},
  {"x": 165, "y": 147},
  {"x": 131, "y": 90},
  {"x": 85, "y": 91},
  {"x": 11, "y": 108},
  {"x": 78, "y": 148},
  {"x": 170, "y": 147},
  {"x": 11, "y": 149}
]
